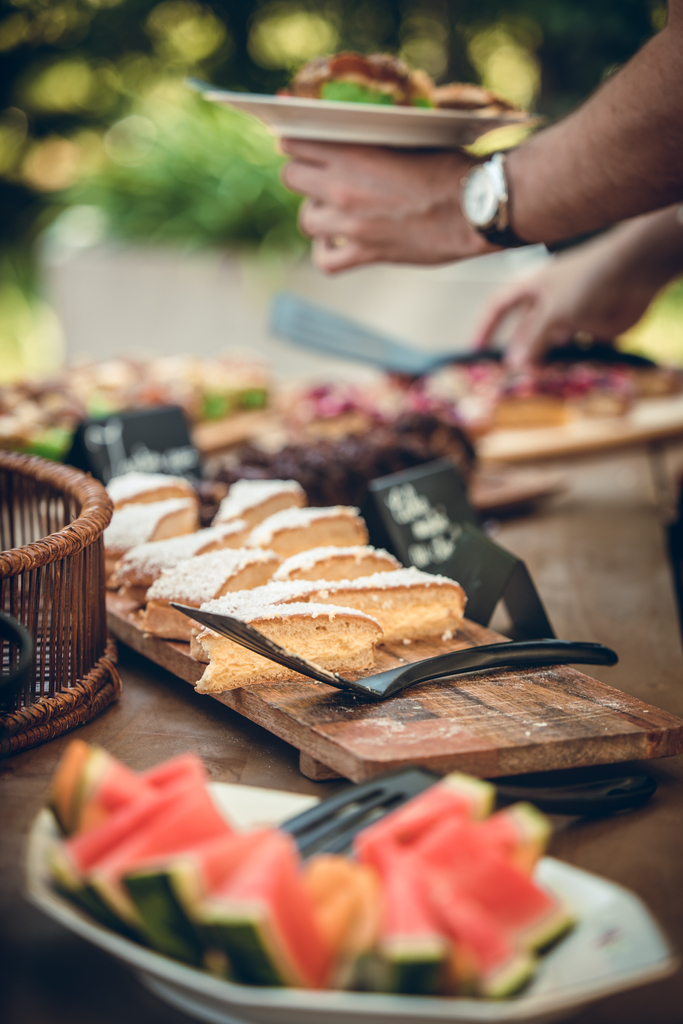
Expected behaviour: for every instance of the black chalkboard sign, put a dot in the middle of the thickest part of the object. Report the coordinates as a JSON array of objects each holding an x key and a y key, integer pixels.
[
  {"x": 424, "y": 517},
  {"x": 148, "y": 441},
  {"x": 488, "y": 573},
  {"x": 418, "y": 514}
]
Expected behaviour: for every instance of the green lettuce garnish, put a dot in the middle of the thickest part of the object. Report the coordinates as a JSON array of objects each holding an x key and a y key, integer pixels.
[{"x": 352, "y": 92}]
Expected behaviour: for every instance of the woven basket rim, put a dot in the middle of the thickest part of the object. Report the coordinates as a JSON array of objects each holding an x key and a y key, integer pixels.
[{"x": 95, "y": 514}]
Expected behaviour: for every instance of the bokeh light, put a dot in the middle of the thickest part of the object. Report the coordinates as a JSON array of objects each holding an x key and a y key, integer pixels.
[{"x": 285, "y": 37}]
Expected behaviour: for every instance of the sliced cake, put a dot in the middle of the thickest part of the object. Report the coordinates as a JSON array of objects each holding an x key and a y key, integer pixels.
[
  {"x": 201, "y": 579},
  {"x": 298, "y": 529},
  {"x": 330, "y": 563},
  {"x": 407, "y": 603},
  {"x": 339, "y": 639},
  {"x": 255, "y": 500},
  {"x": 140, "y": 523},
  {"x": 141, "y": 566},
  {"x": 143, "y": 488}
]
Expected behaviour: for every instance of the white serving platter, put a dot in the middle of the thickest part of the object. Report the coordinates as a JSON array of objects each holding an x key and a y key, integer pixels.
[
  {"x": 367, "y": 123},
  {"x": 616, "y": 945}
]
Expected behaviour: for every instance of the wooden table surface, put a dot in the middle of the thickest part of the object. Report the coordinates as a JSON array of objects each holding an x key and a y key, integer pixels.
[{"x": 598, "y": 556}]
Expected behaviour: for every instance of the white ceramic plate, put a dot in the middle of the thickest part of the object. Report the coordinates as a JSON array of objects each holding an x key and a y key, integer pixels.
[
  {"x": 369, "y": 123},
  {"x": 616, "y": 945}
]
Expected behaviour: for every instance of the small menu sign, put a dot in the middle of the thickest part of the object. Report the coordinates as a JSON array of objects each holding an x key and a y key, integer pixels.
[
  {"x": 424, "y": 517},
  {"x": 147, "y": 441},
  {"x": 419, "y": 514}
]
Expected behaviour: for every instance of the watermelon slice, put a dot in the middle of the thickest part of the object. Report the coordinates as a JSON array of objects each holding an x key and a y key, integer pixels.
[
  {"x": 484, "y": 960},
  {"x": 347, "y": 906},
  {"x": 167, "y": 891},
  {"x": 412, "y": 949},
  {"x": 190, "y": 817},
  {"x": 456, "y": 795},
  {"x": 519, "y": 833},
  {"x": 262, "y": 918},
  {"x": 459, "y": 848}
]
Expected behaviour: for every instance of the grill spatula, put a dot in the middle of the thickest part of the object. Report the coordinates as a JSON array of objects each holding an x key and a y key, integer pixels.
[
  {"x": 314, "y": 327},
  {"x": 511, "y": 654}
]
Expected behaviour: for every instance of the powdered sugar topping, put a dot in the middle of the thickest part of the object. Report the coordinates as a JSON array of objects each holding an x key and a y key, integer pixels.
[
  {"x": 199, "y": 579},
  {"x": 304, "y": 561},
  {"x": 151, "y": 558},
  {"x": 284, "y": 611},
  {"x": 131, "y": 485},
  {"x": 247, "y": 494},
  {"x": 294, "y": 519},
  {"x": 410, "y": 577}
]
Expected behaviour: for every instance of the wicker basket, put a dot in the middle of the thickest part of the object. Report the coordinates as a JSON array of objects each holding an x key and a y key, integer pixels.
[{"x": 52, "y": 581}]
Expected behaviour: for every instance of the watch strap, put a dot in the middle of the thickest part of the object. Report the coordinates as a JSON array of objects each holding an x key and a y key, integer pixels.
[{"x": 505, "y": 237}]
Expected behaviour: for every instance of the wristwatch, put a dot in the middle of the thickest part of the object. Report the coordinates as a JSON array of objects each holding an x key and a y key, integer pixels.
[{"x": 485, "y": 202}]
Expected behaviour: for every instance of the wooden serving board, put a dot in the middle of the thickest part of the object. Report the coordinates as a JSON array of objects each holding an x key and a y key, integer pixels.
[
  {"x": 489, "y": 724},
  {"x": 650, "y": 420}
]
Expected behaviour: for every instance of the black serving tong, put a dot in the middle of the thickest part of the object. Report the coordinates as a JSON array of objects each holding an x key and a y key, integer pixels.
[
  {"x": 511, "y": 654},
  {"x": 331, "y": 825}
]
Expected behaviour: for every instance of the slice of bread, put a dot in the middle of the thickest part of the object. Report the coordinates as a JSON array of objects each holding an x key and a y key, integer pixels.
[
  {"x": 299, "y": 529},
  {"x": 140, "y": 523},
  {"x": 201, "y": 579},
  {"x": 339, "y": 639},
  {"x": 407, "y": 603},
  {"x": 331, "y": 563},
  {"x": 255, "y": 500}
]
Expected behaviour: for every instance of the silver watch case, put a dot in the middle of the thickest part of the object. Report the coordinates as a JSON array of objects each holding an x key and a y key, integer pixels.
[{"x": 484, "y": 196}]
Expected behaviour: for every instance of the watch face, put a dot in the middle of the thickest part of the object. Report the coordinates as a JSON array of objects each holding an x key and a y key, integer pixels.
[{"x": 480, "y": 199}]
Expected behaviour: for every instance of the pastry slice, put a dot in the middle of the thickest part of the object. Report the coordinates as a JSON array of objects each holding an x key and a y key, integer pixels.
[
  {"x": 139, "y": 523},
  {"x": 255, "y": 500},
  {"x": 142, "y": 488},
  {"x": 141, "y": 566},
  {"x": 330, "y": 563},
  {"x": 298, "y": 529},
  {"x": 201, "y": 579},
  {"x": 407, "y": 603},
  {"x": 339, "y": 639}
]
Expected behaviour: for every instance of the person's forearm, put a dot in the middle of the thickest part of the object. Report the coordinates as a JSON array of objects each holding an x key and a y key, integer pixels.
[
  {"x": 619, "y": 155},
  {"x": 650, "y": 247}
]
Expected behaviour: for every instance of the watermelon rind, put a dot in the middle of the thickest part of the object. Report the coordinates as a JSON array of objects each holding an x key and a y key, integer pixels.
[
  {"x": 164, "y": 922},
  {"x": 63, "y": 791},
  {"x": 546, "y": 932},
  {"x": 510, "y": 979},
  {"x": 481, "y": 794},
  {"x": 244, "y": 931},
  {"x": 413, "y": 965}
]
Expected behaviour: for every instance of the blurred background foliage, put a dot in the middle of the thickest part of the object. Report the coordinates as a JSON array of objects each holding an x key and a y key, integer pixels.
[{"x": 95, "y": 119}]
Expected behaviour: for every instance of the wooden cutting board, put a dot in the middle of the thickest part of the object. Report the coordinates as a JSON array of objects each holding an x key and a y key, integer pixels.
[{"x": 489, "y": 724}]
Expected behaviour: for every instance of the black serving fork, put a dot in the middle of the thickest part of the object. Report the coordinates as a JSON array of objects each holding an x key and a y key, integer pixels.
[
  {"x": 331, "y": 825},
  {"x": 511, "y": 654}
]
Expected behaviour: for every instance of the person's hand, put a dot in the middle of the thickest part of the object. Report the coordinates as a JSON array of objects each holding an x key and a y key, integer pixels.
[
  {"x": 368, "y": 204},
  {"x": 599, "y": 290}
]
